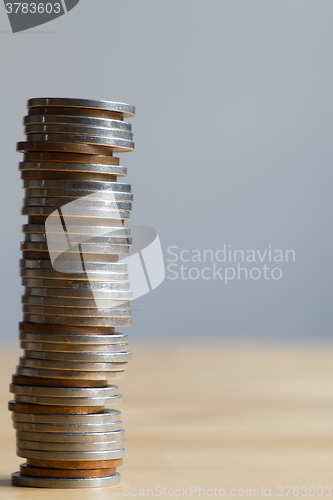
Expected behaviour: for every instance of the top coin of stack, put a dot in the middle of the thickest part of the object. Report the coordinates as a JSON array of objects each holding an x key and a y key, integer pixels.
[{"x": 76, "y": 293}]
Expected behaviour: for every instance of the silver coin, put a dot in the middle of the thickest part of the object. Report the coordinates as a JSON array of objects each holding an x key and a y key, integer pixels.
[
  {"x": 99, "y": 446},
  {"x": 74, "y": 266},
  {"x": 67, "y": 428},
  {"x": 117, "y": 145},
  {"x": 79, "y": 294},
  {"x": 73, "y": 167},
  {"x": 84, "y": 214},
  {"x": 77, "y": 120},
  {"x": 51, "y": 401},
  {"x": 68, "y": 375},
  {"x": 77, "y": 238},
  {"x": 78, "y": 276},
  {"x": 53, "y": 128},
  {"x": 78, "y": 348},
  {"x": 76, "y": 303},
  {"x": 91, "y": 204},
  {"x": 86, "y": 248},
  {"x": 77, "y": 185},
  {"x": 43, "y": 102},
  {"x": 77, "y": 312},
  {"x": 64, "y": 392},
  {"x": 45, "y": 482},
  {"x": 77, "y": 321},
  {"x": 75, "y": 288},
  {"x": 56, "y": 275},
  {"x": 71, "y": 455},
  {"x": 105, "y": 417},
  {"x": 115, "y": 357},
  {"x": 75, "y": 340},
  {"x": 68, "y": 437},
  {"x": 73, "y": 365},
  {"x": 68, "y": 195},
  {"x": 89, "y": 230}
]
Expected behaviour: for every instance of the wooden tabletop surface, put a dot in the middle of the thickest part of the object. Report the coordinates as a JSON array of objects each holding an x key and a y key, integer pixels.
[{"x": 233, "y": 418}]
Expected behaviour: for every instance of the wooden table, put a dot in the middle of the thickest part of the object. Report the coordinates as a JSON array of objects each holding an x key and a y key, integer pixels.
[{"x": 227, "y": 417}]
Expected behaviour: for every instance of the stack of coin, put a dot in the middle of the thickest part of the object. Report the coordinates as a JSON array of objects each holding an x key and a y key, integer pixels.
[{"x": 76, "y": 294}]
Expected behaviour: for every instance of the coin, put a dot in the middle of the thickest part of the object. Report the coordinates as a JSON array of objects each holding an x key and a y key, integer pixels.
[
  {"x": 65, "y": 428},
  {"x": 74, "y": 266},
  {"x": 77, "y": 230},
  {"x": 116, "y": 144},
  {"x": 107, "y": 239},
  {"x": 82, "y": 312},
  {"x": 70, "y": 277},
  {"x": 25, "y": 470},
  {"x": 72, "y": 167},
  {"x": 77, "y": 402},
  {"x": 66, "y": 147},
  {"x": 80, "y": 112},
  {"x": 99, "y": 418},
  {"x": 47, "y": 482},
  {"x": 69, "y": 128},
  {"x": 26, "y": 381},
  {"x": 67, "y": 330},
  {"x": 102, "y": 464},
  {"x": 76, "y": 176},
  {"x": 75, "y": 340},
  {"x": 120, "y": 107},
  {"x": 87, "y": 248},
  {"x": 68, "y": 374},
  {"x": 69, "y": 446},
  {"x": 48, "y": 156},
  {"x": 89, "y": 204},
  {"x": 68, "y": 195},
  {"x": 79, "y": 213},
  {"x": 79, "y": 185},
  {"x": 71, "y": 455},
  {"x": 102, "y": 357},
  {"x": 68, "y": 437},
  {"x": 81, "y": 294},
  {"x": 77, "y": 321},
  {"x": 78, "y": 120},
  {"x": 35, "y": 408},
  {"x": 76, "y": 303},
  {"x": 77, "y": 286},
  {"x": 78, "y": 348},
  {"x": 71, "y": 366},
  {"x": 62, "y": 392}
]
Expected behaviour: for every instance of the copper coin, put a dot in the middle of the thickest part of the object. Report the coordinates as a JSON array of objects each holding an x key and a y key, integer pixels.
[
  {"x": 67, "y": 330},
  {"x": 66, "y": 147},
  {"x": 71, "y": 158},
  {"x": 94, "y": 113},
  {"x": 48, "y": 382},
  {"x": 67, "y": 410},
  {"x": 57, "y": 464},
  {"x": 36, "y": 255},
  {"x": 81, "y": 176},
  {"x": 27, "y": 470}
]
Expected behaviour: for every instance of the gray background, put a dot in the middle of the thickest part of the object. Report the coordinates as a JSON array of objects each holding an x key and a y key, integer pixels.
[{"x": 233, "y": 146}]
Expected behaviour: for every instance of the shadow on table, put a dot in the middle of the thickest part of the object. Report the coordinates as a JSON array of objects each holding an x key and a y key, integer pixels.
[{"x": 5, "y": 482}]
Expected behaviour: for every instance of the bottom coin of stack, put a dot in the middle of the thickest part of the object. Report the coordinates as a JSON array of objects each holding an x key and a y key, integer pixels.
[{"x": 65, "y": 427}]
